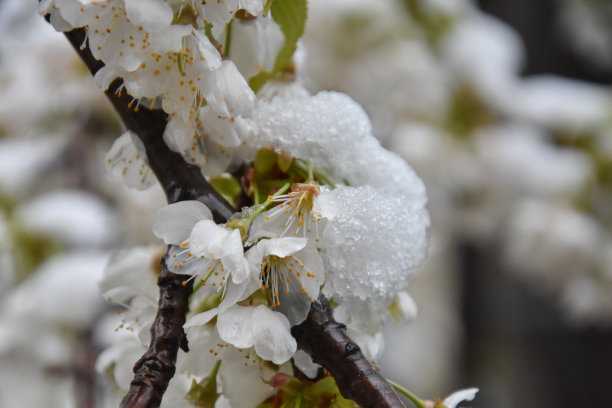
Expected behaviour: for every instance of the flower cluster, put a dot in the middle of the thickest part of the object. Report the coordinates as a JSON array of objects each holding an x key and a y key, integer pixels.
[
  {"x": 326, "y": 209},
  {"x": 176, "y": 55},
  {"x": 256, "y": 275}
]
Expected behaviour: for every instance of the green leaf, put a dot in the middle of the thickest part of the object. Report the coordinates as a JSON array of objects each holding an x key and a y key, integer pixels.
[
  {"x": 394, "y": 311},
  {"x": 265, "y": 159},
  {"x": 293, "y": 387},
  {"x": 204, "y": 394},
  {"x": 228, "y": 187},
  {"x": 324, "y": 389},
  {"x": 209, "y": 302},
  {"x": 283, "y": 161},
  {"x": 290, "y": 15},
  {"x": 325, "y": 386},
  {"x": 267, "y": 6}
]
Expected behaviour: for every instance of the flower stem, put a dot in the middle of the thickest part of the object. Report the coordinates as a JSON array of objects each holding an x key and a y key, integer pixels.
[
  {"x": 215, "y": 370},
  {"x": 228, "y": 39},
  {"x": 310, "y": 173},
  {"x": 416, "y": 400},
  {"x": 266, "y": 204}
]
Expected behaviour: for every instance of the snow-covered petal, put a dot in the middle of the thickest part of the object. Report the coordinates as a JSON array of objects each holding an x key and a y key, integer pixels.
[
  {"x": 174, "y": 222},
  {"x": 334, "y": 133},
  {"x": 376, "y": 239}
]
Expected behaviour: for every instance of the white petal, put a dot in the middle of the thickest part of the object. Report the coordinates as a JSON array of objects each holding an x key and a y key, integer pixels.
[
  {"x": 178, "y": 134},
  {"x": 407, "y": 306},
  {"x": 296, "y": 298},
  {"x": 234, "y": 293},
  {"x": 233, "y": 257},
  {"x": 272, "y": 336},
  {"x": 462, "y": 395},
  {"x": 199, "y": 319},
  {"x": 121, "y": 356},
  {"x": 304, "y": 363},
  {"x": 222, "y": 402},
  {"x": 175, "y": 221},
  {"x": 207, "y": 50},
  {"x": 313, "y": 263},
  {"x": 255, "y": 44},
  {"x": 223, "y": 128},
  {"x": 283, "y": 247},
  {"x": 210, "y": 240},
  {"x": 218, "y": 13},
  {"x": 127, "y": 160},
  {"x": 217, "y": 242},
  {"x": 226, "y": 88},
  {"x": 129, "y": 273},
  {"x": 105, "y": 75},
  {"x": 151, "y": 14},
  {"x": 235, "y": 326},
  {"x": 242, "y": 384},
  {"x": 254, "y": 7}
]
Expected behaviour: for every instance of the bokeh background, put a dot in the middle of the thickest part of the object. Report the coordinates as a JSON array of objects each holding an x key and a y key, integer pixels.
[{"x": 503, "y": 108}]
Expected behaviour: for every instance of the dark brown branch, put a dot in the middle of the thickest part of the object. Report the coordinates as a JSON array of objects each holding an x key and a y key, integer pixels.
[
  {"x": 156, "y": 367},
  {"x": 328, "y": 345},
  {"x": 180, "y": 181},
  {"x": 319, "y": 335}
]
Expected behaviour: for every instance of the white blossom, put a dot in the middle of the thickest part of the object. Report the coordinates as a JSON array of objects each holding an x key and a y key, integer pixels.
[
  {"x": 201, "y": 248},
  {"x": 455, "y": 398},
  {"x": 294, "y": 215},
  {"x": 128, "y": 159},
  {"x": 290, "y": 271},
  {"x": 259, "y": 327}
]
